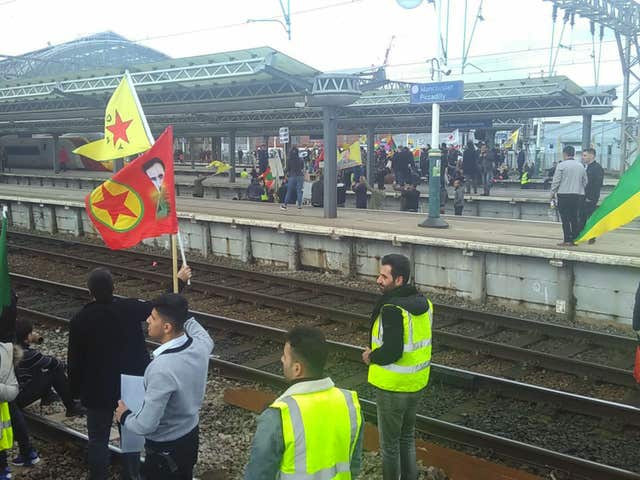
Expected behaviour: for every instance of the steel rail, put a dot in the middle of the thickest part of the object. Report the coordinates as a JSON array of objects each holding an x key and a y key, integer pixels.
[
  {"x": 627, "y": 414},
  {"x": 526, "y": 453},
  {"x": 531, "y": 356}
]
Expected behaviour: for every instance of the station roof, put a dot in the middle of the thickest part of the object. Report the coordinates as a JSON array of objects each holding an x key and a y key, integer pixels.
[{"x": 256, "y": 91}]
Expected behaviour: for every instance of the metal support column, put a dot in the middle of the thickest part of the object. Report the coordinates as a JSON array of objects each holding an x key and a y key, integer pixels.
[
  {"x": 216, "y": 148},
  {"x": 586, "y": 132},
  {"x": 54, "y": 153},
  {"x": 330, "y": 131},
  {"x": 232, "y": 156},
  {"x": 370, "y": 154}
]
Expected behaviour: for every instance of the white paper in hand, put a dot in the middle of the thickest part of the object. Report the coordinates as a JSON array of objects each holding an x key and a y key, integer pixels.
[{"x": 132, "y": 391}]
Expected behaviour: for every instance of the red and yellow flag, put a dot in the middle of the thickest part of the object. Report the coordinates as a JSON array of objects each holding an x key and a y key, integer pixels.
[
  {"x": 139, "y": 201},
  {"x": 126, "y": 131}
]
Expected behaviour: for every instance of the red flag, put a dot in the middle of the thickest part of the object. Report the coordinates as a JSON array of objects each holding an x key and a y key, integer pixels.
[{"x": 139, "y": 201}]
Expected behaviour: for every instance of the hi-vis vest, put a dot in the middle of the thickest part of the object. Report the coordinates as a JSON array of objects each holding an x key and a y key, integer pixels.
[
  {"x": 6, "y": 442},
  {"x": 524, "y": 179},
  {"x": 320, "y": 431},
  {"x": 410, "y": 372}
]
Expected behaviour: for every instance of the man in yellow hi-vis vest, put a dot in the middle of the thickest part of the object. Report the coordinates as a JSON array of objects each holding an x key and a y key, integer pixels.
[
  {"x": 399, "y": 359},
  {"x": 313, "y": 430}
]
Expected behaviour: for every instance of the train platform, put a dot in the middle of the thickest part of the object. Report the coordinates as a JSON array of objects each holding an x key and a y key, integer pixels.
[
  {"x": 504, "y": 202},
  {"x": 483, "y": 259}
]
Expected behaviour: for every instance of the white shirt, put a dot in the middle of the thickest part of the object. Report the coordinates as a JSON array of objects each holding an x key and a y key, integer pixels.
[{"x": 173, "y": 343}]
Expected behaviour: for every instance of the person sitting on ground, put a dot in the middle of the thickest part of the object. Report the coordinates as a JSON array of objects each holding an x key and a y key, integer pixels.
[
  {"x": 409, "y": 198},
  {"x": 38, "y": 373},
  {"x": 255, "y": 191}
]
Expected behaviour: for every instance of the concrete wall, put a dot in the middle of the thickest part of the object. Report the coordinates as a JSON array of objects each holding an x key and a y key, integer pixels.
[{"x": 595, "y": 287}]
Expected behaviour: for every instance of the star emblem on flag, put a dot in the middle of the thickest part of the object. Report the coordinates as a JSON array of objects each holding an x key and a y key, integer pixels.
[
  {"x": 116, "y": 206},
  {"x": 119, "y": 129}
]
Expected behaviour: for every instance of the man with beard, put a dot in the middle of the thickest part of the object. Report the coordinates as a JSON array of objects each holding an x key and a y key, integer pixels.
[{"x": 399, "y": 359}]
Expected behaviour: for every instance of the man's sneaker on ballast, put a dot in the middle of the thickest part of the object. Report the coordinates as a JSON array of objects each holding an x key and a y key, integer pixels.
[
  {"x": 76, "y": 410},
  {"x": 26, "y": 460}
]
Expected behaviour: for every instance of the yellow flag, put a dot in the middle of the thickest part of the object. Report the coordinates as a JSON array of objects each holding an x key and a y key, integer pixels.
[
  {"x": 512, "y": 142},
  {"x": 220, "y": 167},
  {"x": 350, "y": 157},
  {"x": 125, "y": 127}
]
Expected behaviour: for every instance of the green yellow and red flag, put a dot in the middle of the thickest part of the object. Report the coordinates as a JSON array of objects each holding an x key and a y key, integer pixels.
[
  {"x": 619, "y": 208},
  {"x": 126, "y": 131},
  {"x": 139, "y": 201}
]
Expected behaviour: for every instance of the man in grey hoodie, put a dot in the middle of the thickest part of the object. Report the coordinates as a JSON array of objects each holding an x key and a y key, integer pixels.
[{"x": 175, "y": 383}]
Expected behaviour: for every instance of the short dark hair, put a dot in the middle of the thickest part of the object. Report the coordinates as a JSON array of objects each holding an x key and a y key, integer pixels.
[
  {"x": 309, "y": 347},
  {"x": 24, "y": 327},
  {"x": 400, "y": 266},
  {"x": 174, "y": 308},
  {"x": 100, "y": 284},
  {"x": 150, "y": 163},
  {"x": 592, "y": 151},
  {"x": 569, "y": 150}
]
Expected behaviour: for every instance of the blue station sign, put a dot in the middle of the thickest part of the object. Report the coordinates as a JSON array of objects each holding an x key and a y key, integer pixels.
[{"x": 438, "y": 92}]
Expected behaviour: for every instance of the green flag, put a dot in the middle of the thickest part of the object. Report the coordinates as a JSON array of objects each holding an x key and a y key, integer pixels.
[
  {"x": 5, "y": 288},
  {"x": 619, "y": 208}
]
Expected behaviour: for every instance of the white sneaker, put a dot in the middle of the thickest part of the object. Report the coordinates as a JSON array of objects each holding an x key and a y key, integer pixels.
[
  {"x": 299, "y": 207},
  {"x": 283, "y": 207}
]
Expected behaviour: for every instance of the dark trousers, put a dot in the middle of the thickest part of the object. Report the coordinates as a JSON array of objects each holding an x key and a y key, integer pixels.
[
  {"x": 172, "y": 460},
  {"x": 586, "y": 210},
  {"x": 458, "y": 209},
  {"x": 99, "y": 422},
  {"x": 41, "y": 383},
  {"x": 568, "y": 207},
  {"x": 487, "y": 180},
  {"x": 472, "y": 179},
  {"x": 396, "y": 426}
]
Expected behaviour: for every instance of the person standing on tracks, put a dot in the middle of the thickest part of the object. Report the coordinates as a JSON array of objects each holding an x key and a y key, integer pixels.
[
  {"x": 105, "y": 341},
  {"x": 313, "y": 430},
  {"x": 595, "y": 179},
  {"x": 567, "y": 185},
  {"x": 175, "y": 382},
  {"x": 399, "y": 360}
]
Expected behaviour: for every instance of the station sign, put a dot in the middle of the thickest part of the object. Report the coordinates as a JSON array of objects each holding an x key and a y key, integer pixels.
[
  {"x": 284, "y": 134},
  {"x": 438, "y": 92},
  {"x": 466, "y": 124}
]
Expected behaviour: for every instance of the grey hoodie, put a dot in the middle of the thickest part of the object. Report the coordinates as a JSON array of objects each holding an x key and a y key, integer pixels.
[{"x": 8, "y": 382}]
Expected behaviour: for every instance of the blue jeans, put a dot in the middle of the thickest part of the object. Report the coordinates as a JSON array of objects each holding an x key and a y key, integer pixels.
[
  {"x": 99, "y": 422},
  {"x": 487, "y": 181},
  {"x": 396, "y": 425},
  {"x": 295, "y": 184}
]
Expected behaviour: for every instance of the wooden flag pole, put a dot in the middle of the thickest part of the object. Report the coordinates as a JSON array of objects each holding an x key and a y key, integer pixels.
[{"x": 174, "y": 257}]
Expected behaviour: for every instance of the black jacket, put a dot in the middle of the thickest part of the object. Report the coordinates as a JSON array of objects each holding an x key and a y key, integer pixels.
[
  {"x": 106, "y": 340},
  {"x": 595, "y": 178},
  {"x": 8, "y": 320},
  {"x": 470, "y": 161},
  {"x": 407, "y": 297}
]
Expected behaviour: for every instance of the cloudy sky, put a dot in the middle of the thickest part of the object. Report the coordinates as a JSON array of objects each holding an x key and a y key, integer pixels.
[{"x": 512, "y": 42}]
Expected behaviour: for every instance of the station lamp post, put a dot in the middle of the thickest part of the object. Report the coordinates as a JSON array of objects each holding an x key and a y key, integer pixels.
[{"x": 433, "y": 220}]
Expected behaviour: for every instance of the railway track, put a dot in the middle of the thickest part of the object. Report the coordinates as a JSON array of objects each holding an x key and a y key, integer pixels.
[
  {"x": 456, "y": 400},
  {"x": 530, "y": 345}
]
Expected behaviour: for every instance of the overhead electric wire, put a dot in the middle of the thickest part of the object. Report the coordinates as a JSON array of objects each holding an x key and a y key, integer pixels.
[{"x": 239, "y": 24}]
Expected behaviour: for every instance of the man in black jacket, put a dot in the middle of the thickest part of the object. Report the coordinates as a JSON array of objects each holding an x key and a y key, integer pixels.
[
  {"x": 595, "y": 178},
  {"x": 106, "y": 340},
  {"x": 399, "y": 359},
  {"x": 470, "y": 168}
]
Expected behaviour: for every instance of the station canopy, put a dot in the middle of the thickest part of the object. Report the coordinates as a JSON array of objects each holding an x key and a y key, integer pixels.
[{"x": 253, "y": 92}]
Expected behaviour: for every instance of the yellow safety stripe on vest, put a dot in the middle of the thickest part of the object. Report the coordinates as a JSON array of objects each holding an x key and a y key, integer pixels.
[
  {"x": 324, "y": 474},
  {"x": 410, "y": 346},
  {"x": 406, "y": 369},
  {"x": 300, "y": 444}
]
